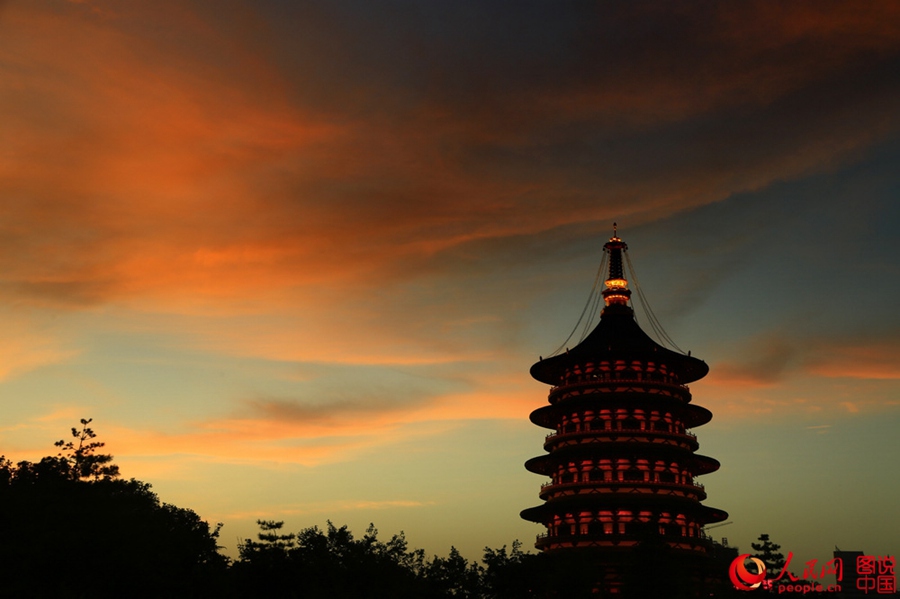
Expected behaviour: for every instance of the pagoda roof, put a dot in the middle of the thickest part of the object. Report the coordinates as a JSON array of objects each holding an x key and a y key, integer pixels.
[
  {"x": 548, "y": 416},
  {"x": 618, "y": 337},
  {"x": 542, "y": 513},
  {"x": 546, "y": 463}
]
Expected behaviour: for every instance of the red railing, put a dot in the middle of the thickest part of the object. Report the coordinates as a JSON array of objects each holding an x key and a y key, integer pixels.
[
  {"x": 615, "y": 485},
  {"x": 623, "y": 432}
]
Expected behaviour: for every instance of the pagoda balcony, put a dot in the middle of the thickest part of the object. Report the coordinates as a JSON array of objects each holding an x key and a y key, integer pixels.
[
  {"x": 617, "y": 383},
  {"x": 698, "y": 543},
  {"x": 686, "y": 440},
  {"x": 551, "y": 490}
]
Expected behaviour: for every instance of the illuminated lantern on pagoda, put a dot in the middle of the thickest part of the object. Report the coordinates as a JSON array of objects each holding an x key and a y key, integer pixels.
[{"x": 621, "y": 457}]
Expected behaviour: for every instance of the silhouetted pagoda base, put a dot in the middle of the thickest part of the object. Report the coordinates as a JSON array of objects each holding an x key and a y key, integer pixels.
[{"x": 621, "y": 460}]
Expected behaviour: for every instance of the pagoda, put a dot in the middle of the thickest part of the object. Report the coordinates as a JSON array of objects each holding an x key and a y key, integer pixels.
[{"x": 621, "y": 458}]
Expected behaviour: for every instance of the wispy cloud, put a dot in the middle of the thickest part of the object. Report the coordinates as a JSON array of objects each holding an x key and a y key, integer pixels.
[
  {"x": 329, "y": 507},
  {"x": 26, "y": 345},
  {"x": 769, "y": 359},
  {"x": 201, "y": 167},
  {"x": 764, "y": 362},
  {"x": 873, "y": 359},
  {"x": 792, "y": 374}
]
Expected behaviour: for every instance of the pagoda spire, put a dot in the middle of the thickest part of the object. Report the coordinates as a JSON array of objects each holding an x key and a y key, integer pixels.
[{"x": 616, "y": 292}]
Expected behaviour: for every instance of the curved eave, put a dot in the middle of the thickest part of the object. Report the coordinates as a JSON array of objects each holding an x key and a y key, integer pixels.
[
  {"x": 534, "y": 514},
  {"x": 539, "y": 465},
  {"x": 546, "y": 464},
  {"x": 548, "y": 416},
  {"x": 695, "y": 415},
  {"x": 618, "y": 337},
  {"x": 701, "y": 464},
  {"x": 544, "y": 512},
  {"x": 711, "y": 515}
]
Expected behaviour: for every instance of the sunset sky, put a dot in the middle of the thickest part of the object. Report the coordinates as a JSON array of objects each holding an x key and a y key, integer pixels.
[{"x": 295, "y": 259}]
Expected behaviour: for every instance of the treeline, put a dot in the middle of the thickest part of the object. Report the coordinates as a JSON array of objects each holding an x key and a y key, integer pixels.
[
  {"x": 333, "y": 563},
  {"x": 70, "y": 527}
]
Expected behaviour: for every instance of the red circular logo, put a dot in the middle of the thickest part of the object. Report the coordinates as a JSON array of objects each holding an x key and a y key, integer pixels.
[{"x": 743, "y": 579}]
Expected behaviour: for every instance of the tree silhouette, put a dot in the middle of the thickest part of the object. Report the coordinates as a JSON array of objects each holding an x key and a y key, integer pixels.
[
  {"x": 332, "y": 563},
  {"x": 69, "y": 527},
  {"x": 767, "y": 551},
  {"x": 454, "y": 576},
  {"x": 510, "y": 574},
  {"x": 82, "y": 460},
  {"x": 329, "y": 564}
]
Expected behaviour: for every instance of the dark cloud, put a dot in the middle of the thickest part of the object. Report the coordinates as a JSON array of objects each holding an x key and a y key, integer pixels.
[
  {"x": 59, "y": 294},
  {"x": 330, "y": 413},
  {"x": 765, "y": 362},
  {"x": 502, "y": 114},
  {"x": 352, "y": 141},
  {"x": 769, "y": 359},
  {"x": 326, "y": 394}
]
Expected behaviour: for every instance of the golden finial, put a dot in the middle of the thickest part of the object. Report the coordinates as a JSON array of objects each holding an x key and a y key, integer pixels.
[{"x": 616, "y": 291}]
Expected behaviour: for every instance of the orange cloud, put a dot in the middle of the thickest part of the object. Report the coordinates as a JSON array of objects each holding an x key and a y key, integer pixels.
[
  {"x": 878, "y": 360},
  {"x": 269, "y": 443},
  {"x": 24, "y": 346},
  {"x": 764, "y": 362},
  {"x": 195, "y": 169},
  {"x": 219, "y": 173},
  {"x": 771, "y": 359},
  {"x": 328, "y": 507},
  {"x": 273, "y": 433},
  {"x": 771, "y": 375}
]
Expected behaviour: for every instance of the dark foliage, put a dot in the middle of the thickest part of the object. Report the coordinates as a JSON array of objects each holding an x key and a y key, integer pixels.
[
  {"x": 334, "y": 564},
  {"x": 81, "y": 461},
  {"x": 514, "y": 574},
  {"x": 70, "y": 528},
  {"x": 767, "y": 551}
]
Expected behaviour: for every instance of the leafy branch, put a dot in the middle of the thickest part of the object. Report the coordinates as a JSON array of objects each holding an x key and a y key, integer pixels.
[{"x": 82, "y": 459}]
